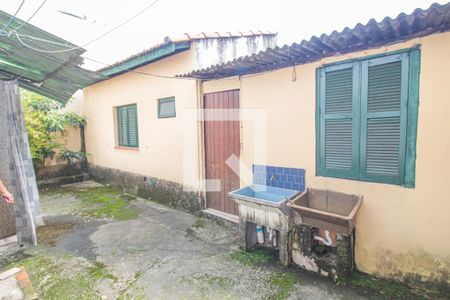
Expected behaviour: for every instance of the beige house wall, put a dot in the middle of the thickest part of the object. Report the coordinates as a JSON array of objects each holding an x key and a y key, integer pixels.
[
  {"x": 400, "y": 232},
  {"x": 161, "y": 144},
  {"x": 70, "y": 139}
]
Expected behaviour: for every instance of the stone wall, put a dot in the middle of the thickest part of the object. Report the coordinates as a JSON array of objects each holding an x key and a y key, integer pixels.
[
  {"x": 59, "y": 170},
  {"x": 159, "y": 190}
]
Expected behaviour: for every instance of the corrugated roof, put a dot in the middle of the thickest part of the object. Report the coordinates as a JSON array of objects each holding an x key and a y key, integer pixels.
[
  {"x": 170, "y": 46},
  {"x": 54, "y": 75},
  {"x": 404, "y": 27}
]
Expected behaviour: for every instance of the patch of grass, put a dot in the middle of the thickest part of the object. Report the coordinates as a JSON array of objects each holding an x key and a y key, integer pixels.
[
  {"x": 52, "y": 280},
  {"x": 131, "y": 291},
  {"x": 100, "y": 202},
  {"x": 7, "y": 261},
  {"x": 104, "y": 202},
  {"x": 283, "y": 282},
  {"x": 115, "y": 208},
  {"x": 387, "y": 289},
  {"x": 252, "y": 258},
  {"x": 99, "y": 271},
  {"x": 200, "y": 223}
]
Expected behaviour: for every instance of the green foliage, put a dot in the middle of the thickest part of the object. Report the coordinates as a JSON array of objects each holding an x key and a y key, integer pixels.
[
  {"x": 45, "y": 124},
  {"x": 252, "y": 258},
  {"x": 55, "y": 277},
  {"x": 104, "y": 202},
  {"x": 72, "y": 156},
  {"x": 100, "y": 271},
  {"x": 39, "y": 103},
  {"x": 54, "y": 121},
  {"x": 387, "y": 289},
  {"x": 75, "y": 120},
  {"x": 283, "y": 282}
]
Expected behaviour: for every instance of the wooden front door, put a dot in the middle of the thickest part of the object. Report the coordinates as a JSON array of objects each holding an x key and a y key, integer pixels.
[{"x": 222, "y": 140}]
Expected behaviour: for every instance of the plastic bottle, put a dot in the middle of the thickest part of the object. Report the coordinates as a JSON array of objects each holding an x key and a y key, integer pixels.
[{"x": 260, "y": 234}]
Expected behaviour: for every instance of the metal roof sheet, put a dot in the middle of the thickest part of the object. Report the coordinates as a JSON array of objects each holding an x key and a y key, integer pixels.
[
  {"x": 404, "y": 27},
  {"x": 54, "y": 75}
]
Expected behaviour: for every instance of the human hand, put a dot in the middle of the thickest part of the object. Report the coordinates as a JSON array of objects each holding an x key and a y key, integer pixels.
[{"x": 8, "y": 197}]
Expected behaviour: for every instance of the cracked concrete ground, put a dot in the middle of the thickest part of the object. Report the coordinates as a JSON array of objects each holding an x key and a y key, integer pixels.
[{"x": 152, "y": 252}]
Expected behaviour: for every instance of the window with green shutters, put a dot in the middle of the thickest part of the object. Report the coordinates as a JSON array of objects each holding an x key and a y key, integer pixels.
[
  {"x": 367, "y": 119},
  {"x": 127, "y": 126}
]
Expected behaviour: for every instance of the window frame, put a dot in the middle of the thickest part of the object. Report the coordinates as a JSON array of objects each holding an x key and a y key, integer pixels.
[
  {"x": 409, "y": 112},
  {"x": 167, "y": 100},
  {"x": 119, "y": 127}
]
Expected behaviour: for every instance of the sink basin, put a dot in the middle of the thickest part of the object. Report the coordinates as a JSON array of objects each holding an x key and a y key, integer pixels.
[
  {"x": 327, "y": 209},
  {"x": 263, "y": 195}
]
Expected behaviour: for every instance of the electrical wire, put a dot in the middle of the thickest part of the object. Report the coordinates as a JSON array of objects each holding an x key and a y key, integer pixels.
[
  {"x": 134, "y": 71},
  {"x": 31, "y": 17},
  {"x": 239, "y": 77},
  {"x": 140, "y": 72},
  {"x": 91, "y": 41},
  {"x": 94, "y": 60},
  {"x": 11, "y": 19}
]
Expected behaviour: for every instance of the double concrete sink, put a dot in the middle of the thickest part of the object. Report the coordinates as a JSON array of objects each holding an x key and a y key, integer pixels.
[{"x": 319, "y": 208}]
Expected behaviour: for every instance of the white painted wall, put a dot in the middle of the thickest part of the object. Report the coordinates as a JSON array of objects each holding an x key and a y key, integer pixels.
[{"x": 210, "y": 52}]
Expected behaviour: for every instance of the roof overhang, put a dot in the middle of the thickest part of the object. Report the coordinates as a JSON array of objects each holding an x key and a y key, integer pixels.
[
  {"x": 147, "y": 57},
  {"x": 56, "y": 75}
]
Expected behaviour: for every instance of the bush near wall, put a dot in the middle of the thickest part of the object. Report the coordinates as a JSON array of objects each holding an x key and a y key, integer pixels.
[{"x": 48, "y": 130}]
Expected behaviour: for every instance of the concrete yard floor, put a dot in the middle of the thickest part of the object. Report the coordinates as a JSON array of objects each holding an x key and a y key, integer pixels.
[{"x": 100, "y": 244}]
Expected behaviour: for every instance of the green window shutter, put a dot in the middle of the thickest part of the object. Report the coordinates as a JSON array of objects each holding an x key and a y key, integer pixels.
[
  {"x": 132, "y": 126},
  {"x": 384, "y": 94},
  {"x": 122, "y": 126},
  {"x": 127, "y": 126},
  {"x": 338, "y": 121}
]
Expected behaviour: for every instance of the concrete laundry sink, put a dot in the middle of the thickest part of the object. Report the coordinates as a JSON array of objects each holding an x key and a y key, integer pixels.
[
  {"x": 256, "y": 194},
  {"x": 327, "y": 209},
  {"x": 265, "y": 206}
]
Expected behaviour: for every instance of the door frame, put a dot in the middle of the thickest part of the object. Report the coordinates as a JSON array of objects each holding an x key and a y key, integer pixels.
[{"x": 221, "y": 214}]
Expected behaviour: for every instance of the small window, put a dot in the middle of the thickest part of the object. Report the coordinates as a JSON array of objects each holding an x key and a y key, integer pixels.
[
  {"x": 127, "y": 126},
  {"x": 166, "y": 107}
]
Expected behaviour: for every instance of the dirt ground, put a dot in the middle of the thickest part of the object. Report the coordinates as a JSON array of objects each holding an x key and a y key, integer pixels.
[{"x": 100, "y": 244}]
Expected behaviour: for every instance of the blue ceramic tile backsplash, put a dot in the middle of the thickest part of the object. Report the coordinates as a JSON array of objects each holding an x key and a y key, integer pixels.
[{"x": 287, "y": 178}]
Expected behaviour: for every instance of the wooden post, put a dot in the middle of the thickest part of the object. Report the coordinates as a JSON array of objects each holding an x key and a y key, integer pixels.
[
  {"x": 84, "y": 162},
  {"x": 20, "y": 178}
]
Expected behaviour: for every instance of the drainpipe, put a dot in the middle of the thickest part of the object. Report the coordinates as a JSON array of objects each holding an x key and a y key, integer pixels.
[{"x": 201, "y": 142}]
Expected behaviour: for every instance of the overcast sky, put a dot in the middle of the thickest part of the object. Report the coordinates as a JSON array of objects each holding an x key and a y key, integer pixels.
[{"x": 293, "y": 20}]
